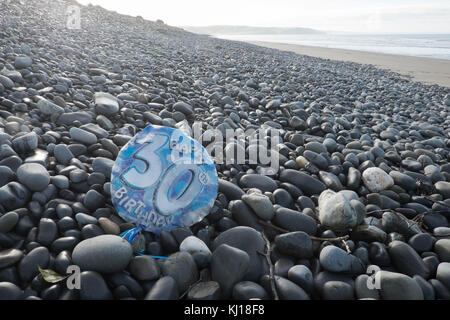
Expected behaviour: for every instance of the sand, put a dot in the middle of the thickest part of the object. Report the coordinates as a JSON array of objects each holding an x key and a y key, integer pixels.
[{"x": 426, "y": 70}]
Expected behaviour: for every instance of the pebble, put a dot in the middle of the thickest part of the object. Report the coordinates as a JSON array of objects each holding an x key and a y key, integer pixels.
[
  {"x": 63, "y": 154},
  {"x": 82, "y": 136},
  {"x": 108, "y": 226},
  {"x": 427, "y": 288},
  {"x": 288, "y": 290},
  {"x": 25, "y": 143},
  {"x": 6, "y": 175},
  {"x": 164, "y": 289},
  {"x": 443, "y": 274},
  {"x": 8, "y": 221},
  {"x": 441, "y": 291},
  {"x": 421, "y": 242},
  {"x": 338, "y": 212},
  {"x": 231, "y": 191},
  {"x": 209, "y": 290},
  {"x": 260, "y": 203},
  {"x": 337, "y": 290},
  {"x": 362, "y": 291},
  {"x": 28, "y": 266},
  {"x": 250, "y": 241},
  {"x": 144, "y": 268},
  {"x": 246, "y": 290},
  {"x": 9, "y": 257},
  {"x": 304, "y": 182},
  {"x": 302, "y": 276},
  {"x": 407, "y": 260},
  {"x": 258, "y": 181},
  {"x": 103, "y": 165},
  {"x": 376, "y": 180},
  {"x": 294, "y": 221},
  {"x": 104, "y": 254},
  {"x": 193, "y": 244},
  {"x": 296, "y": 244},
  {"x": 34, "y": 176},
  {"x": 106, "y": 104},
  {"x": 443, "y": 188},
  {"x": 403, "y": 180},
  {"x": 228, "y": 266},
  {"x": 335, "y": 259},
  {"x": 181, "y": 267},
  {"x": 48, "y": 108},
  {"x": 397, "y": 286},
  {"x": 22, "y": 62},
  {"x": 93, "y": 200},
  {"x": 93, "y": 286},
  {"x": 442, "y": 248},
  {"x": 47, "y": 231},
  {"x": 9, "y": 291}
]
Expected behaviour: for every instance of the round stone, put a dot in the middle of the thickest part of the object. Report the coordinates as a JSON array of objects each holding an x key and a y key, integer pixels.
[
  {"x": 104, "y": 254},
  {"x": 193, "y": 244},
  {"x": 335, "y": 259},
  {"x": 8, "y": 221},
  {"x": 144, "y": 268},
  {"x": 181, "y": 267},
  {"x": 34, "y": 176},
  {"x": 22, "y": 62},
  {"x": 209, "y": 290},
  {"x": 93, "y": 286},
  {"x": 442, "y": 248},
  {"x": 246, "y": 290},
  {"x": 9, "y": 257},
  {"x": 338, "y": 211},
  {"x": 337, "y": 290},
  {"x": 296, "y": 244},
  {"x": 106, "y": 104},
  {"x": 397, "y": 286},
  {"x": 302, "y": 276},
  {"x": 260, "y": 203},
  {"x": 164, "y": 289},
  {"x": 376, "y": 179},
  {"x": 407, "y": 260},
  {"x": 228, "y": 266},
  {"x": 83, "y": 136},
  {"x": 443, "y": 273}
]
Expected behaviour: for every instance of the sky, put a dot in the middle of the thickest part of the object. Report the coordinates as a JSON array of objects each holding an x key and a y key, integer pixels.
[{"x": 357, "y": 16}]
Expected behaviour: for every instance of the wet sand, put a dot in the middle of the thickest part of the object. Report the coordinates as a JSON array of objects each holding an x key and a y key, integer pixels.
[{"x": 427, "y": 70}]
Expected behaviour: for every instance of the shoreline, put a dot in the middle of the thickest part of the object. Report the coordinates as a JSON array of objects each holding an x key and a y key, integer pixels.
[{"x": 426, "y": 70}]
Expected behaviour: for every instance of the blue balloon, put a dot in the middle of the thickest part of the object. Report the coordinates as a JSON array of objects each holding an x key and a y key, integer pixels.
[{"x": 162, "y": 179}]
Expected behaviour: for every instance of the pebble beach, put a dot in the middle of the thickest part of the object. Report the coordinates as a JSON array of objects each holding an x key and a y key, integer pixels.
[{"x": 362, "y": 182}]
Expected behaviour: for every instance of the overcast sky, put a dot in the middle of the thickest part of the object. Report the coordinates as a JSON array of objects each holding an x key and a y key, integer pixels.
[{"x": 361, "y": 16}]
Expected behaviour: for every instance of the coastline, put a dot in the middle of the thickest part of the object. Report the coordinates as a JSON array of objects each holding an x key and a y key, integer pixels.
[{"x": 426, "y": 70}]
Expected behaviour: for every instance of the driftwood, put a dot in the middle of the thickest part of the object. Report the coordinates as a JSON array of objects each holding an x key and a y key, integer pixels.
[
  {"x": 273, "y": 286},
  {"x": 337, "y": 239}
]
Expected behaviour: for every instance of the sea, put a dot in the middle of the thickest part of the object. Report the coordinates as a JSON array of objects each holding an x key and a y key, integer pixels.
[{"x": 420, "y": 45}]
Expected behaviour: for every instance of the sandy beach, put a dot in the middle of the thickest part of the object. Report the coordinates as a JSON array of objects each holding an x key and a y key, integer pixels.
[{"x": 427, "y": 70}]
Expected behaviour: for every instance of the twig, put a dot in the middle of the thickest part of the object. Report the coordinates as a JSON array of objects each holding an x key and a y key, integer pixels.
[
  {"x": 269, "y": 262},
  {"x": 189, "y": 288},
  {"x": 438, "y": 202},
  {"x": 267, "y": 224},
  {"x": 337, "y": 239}
]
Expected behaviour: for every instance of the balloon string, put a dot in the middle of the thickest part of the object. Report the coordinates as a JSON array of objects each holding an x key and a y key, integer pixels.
[{"x": 131, "y": 235}]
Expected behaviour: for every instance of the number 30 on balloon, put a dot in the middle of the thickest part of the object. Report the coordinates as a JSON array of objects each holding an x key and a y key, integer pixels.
[{"x": 162, "y": 179}]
